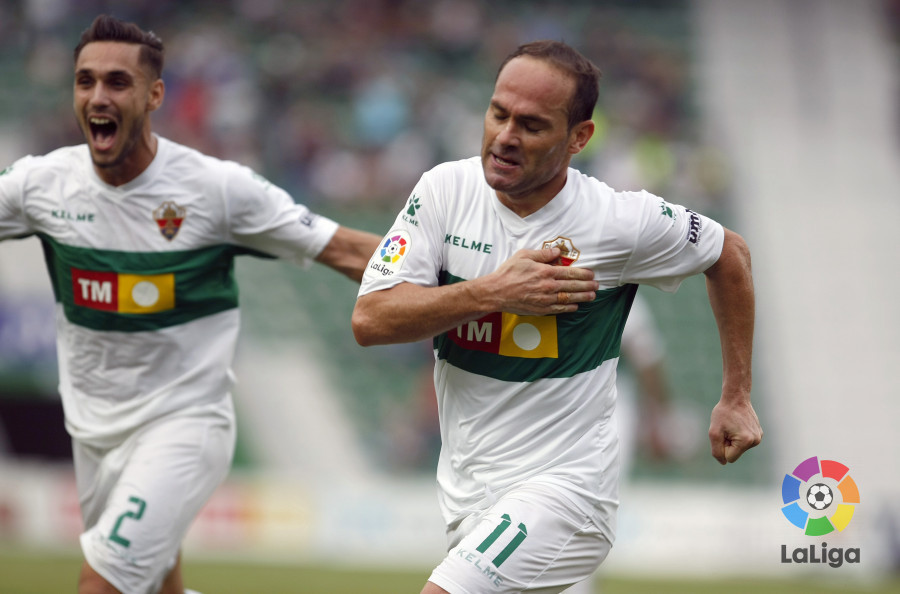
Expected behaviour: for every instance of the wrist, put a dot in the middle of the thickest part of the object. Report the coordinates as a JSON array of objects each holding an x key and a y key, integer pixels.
[
  {"x": 478, "y": 297},
  {"x": 736, "y": 393}
]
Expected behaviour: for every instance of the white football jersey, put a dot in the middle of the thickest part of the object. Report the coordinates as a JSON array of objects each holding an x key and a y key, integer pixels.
[
  {"x": 143, "y": 276},
  {"x": 532, "y": 396}
]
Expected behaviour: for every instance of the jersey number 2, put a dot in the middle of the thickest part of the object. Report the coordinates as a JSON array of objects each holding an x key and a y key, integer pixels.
[
  {"x": 493, "y": 536},
  {"x": 114, "y": 535}
]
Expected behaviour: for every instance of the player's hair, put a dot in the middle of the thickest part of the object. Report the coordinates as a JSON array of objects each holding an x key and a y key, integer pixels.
[
  {"x": 571, "y": 62},
  {"x": 109, "y": 28}
]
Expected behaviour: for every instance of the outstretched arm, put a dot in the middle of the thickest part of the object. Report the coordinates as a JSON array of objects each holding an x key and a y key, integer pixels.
[
  {"x": 525, "y": 284},
  {"x": 348, "y": 251},
  {"x": 734, "y": 427}
]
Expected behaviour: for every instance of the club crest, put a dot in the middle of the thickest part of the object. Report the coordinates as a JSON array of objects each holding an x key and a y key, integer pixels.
[
  {"x": 169, "y": 217},
  {"x": 568, "y": 252}
]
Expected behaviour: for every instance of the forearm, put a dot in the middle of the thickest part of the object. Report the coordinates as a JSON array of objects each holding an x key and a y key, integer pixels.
[
  {"x": 730, "y": 287},
  {"x": 525, "y": 284},
  {"x": 409, "y": 313},
  {"x": 349, "y": 251}
]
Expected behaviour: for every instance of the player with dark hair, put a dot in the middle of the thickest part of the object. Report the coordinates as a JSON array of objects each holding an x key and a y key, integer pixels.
[
  {"x": 140, "y": 235},
  {"x": 524, "y": 270}
]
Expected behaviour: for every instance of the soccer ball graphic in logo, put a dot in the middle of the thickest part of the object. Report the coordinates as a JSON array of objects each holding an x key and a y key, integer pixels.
[
  {"x": 819, "y": 496},
  {"x": 393, "y": 249},
  {"x": 834, "y": 486}
]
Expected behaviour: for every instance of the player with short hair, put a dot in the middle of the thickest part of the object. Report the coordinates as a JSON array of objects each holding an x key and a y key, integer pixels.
[
  {"x": 524, "y": 270},
  {"x": 140, "y": 235}
]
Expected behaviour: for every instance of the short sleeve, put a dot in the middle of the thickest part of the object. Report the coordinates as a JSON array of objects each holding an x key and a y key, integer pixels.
[
  {"x": 411, "y": 250},
  {"x": 13, "y": 222},
  {"x": 264, "y": 217},
  {"x": 672, "y": 243}
]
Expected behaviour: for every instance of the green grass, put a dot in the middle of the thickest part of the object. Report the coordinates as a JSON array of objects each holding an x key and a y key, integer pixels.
[{"x": 46, "y": 573}]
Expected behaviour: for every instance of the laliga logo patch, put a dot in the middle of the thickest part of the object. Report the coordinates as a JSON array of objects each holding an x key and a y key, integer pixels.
[
  {"x": 169, "y": 217},
  {"x": 389, "y": 258},
  {"x": 393, "y": 249},
  {"x": 569, "y": 253}
]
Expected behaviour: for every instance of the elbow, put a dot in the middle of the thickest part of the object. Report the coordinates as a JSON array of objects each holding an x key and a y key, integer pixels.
[
  {"x": 742, "y": 250},
  {"x": 735, "y": 257},
  {"x": 363, "y": 331}
]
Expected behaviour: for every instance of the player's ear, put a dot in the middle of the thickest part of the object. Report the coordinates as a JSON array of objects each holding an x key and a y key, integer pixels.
[
  {"x": 580, "y": 135},
  {"x": 157, "y": 93}
]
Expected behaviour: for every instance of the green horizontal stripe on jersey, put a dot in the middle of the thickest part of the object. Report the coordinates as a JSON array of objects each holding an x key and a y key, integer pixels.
[
  {"x": 586, "y": 338},
  {"x": 204, "y": 282}
]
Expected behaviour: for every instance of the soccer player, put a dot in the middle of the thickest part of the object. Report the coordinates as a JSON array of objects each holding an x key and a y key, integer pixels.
[
  {"x": 140, "y": 236},
  {"x": 523, "y": 270}
]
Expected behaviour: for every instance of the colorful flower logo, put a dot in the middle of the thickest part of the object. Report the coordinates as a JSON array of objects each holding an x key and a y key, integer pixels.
[
  {"x": 811, "y": 491},
  {"x": 393, "y": 249}
]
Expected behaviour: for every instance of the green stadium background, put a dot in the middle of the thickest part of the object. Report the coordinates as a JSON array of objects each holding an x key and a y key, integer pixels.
[{"x": 344, "y": 103}]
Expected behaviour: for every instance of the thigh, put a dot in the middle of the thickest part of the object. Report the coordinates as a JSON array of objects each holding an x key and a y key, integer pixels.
[
  {"x": 534, "y": 539},
  {"x": 169, "y": 472},
  {"x": 96, "y": 472}
]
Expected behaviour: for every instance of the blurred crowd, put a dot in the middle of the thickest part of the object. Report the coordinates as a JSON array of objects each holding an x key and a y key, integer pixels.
[
  {"x": 345, "y": 103},
  {"x": 349, "y": 101}
]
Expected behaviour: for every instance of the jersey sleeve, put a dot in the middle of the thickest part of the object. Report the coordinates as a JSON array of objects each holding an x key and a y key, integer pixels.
[
  {"x": 265, "y": 218},
  {"x": 411, "y": 251},
  {"x": 672, "y": 243},
  {"x": 13, "y": 221}
]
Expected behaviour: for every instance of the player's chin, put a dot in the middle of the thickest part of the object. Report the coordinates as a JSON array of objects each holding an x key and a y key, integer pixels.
[
  {"x": 501, "y": 181},
  {"x": 104, "y": 159}
]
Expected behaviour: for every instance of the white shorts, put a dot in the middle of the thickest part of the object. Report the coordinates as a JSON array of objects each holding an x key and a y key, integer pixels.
[
  {"x": 534, "y": 539},
  {"x": 139, "y": 498}
]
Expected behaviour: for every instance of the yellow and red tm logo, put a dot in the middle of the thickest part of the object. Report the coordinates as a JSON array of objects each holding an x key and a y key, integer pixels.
[
  {"x": 123, "y": 293},
  {"x": 510, "y": 335}
]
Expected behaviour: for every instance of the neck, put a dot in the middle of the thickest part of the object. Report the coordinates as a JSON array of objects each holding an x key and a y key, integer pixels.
[
  {"x": 139, "y": 158},
  {"x": 530, "y": 202}
]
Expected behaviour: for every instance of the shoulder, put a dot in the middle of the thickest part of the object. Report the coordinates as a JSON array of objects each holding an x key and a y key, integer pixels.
[
  {"x": 615, "y": 205},
  {"x": 42, "y": 169},
  {"x": 63, "y": 158},
  {"x": 454, "y": 179},
  {"x": 187, "y": 163},
  {"x": 638, "y": 205},
  {"x": 180, "y": 157},
  {"x": 461, "y": 169},
  {"x": 589, "y": 187}
]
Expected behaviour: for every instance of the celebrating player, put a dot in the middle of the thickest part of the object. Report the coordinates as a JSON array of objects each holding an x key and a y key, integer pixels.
[
  {"x": 140, "y": 236},
  {"x": 523, "y": 270}
]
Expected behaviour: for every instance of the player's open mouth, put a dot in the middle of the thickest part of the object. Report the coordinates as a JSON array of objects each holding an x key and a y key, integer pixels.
[
  {"x": 103, "y": 132},
  {"x": 503, "y": 162}
]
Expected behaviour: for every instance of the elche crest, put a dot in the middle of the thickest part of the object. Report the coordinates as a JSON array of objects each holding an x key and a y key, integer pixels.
[
  {"x": 568, "y": 252},
  {"x": 169, "y": 218}
]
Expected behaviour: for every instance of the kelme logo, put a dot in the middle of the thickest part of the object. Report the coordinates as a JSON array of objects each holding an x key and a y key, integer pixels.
[
  {"x": 819, "y": 497},
  {"x": 412, "y": 206}
]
